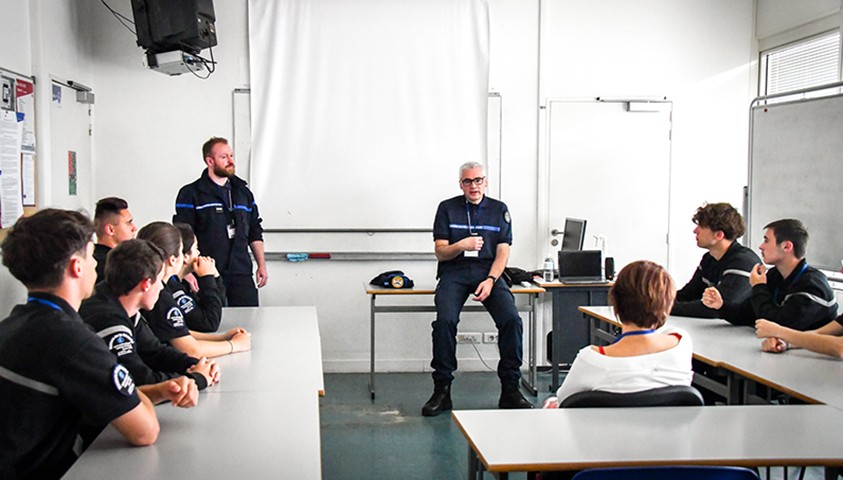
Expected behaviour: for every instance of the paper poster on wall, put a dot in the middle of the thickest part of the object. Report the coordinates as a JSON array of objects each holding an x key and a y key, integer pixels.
[
  {"x": 7, "y": 93},
  {"x": 11, "y": 207},
  {"x": 57, "y": 94},
  {"x": 71, "y": 172},
  {"x": 25, "y": 97},
  {"x": 28, "y": 177}
]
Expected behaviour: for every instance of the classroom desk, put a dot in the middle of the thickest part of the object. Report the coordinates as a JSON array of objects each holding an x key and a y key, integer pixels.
[
  {"x": 569, "y": 333},
  {"x": 808, "y": 376},
  {"x": 260, "y": 421},
  {"x": 374, "y": 292},
  {"x": 503, "y": 441}
]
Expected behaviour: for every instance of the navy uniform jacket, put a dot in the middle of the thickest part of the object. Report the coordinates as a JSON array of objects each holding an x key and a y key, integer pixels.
[
  {"x": 130, "y": 339},
  {"x": 802, "y": 301},
  {"x": 207, "y": 208},
  {"x": 456, "y": 218},
  {"x": 54, "y": 372},
  {"x": 202, "y": 310},
  {"x": 730, "y": 275}
]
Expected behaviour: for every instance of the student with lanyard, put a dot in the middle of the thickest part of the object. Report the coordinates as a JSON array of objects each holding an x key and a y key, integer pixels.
[
  {"x": 167, "y": 320},
  {"x": 54, "y": 371},
  {"x": 645, "y": 355},
  {"x": 203, "y": 309},
  {"x": 791, "y": 293},
  {"x": 133, "y": 280}
]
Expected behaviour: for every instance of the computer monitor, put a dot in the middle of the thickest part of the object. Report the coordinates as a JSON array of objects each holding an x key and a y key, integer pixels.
[{"x": 574, "y": 235}]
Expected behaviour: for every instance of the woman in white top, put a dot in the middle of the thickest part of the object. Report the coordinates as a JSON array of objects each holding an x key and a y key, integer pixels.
[{"x": 645, "y": 355}]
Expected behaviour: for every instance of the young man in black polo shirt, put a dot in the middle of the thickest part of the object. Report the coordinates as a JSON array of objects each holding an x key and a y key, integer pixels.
[
  {"x": 792, "y": 293},
  {"x": 133, "y": 280},
  {"x": 54, "y": 371},
  {"x": 726, "y": 265},
  {"x": 114, "y": 225}
]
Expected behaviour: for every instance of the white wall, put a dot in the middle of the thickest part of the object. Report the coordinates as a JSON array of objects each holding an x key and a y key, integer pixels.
[
  {"x": 148, "y": 128},
  {"x": 14, "y": 31}
]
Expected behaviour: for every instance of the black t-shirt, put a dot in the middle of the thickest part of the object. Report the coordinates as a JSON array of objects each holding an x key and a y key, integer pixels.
[{"x": 54, "y": 373}]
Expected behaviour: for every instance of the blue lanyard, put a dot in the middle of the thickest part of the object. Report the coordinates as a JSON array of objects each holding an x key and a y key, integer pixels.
[
  {"x": 635, "y": 332},
  {"x": 776, "y": 293},
  {"x": 468, "y": 215},
  {"x": 44, "y": 302}
]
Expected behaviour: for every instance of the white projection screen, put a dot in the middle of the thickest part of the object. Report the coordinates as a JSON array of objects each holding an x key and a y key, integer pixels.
[{"x": 362, "y": 111}]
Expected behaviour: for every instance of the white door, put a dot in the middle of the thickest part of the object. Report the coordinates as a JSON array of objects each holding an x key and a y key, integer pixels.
[
  {"x": 610, "y": 165},
  {"x": 70, "y": 136}
]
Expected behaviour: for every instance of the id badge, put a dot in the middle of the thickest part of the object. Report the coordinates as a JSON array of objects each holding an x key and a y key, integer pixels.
[{"x": 231, "y": 230}]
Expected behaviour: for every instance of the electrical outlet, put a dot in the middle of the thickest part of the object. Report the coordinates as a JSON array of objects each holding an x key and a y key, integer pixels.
[
  {"x": 469, "y": 337},
  {"x": 490, "y": 337}
]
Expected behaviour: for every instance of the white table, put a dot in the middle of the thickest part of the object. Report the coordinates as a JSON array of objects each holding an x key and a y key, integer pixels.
[
  {"x": 504, "y": 441},
  {"x": 809, "y": 376},
  {"x": 261, "y": 421},
  {"x": 374, "y": 308}
]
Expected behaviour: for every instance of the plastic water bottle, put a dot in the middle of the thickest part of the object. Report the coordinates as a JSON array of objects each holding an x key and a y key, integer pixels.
[{"x": 548, "y": 269}]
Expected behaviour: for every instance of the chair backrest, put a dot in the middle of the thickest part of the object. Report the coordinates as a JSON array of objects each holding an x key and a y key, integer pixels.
[
  {"x": 668, "y": 473},
  {"x": 677, "y": 395}
]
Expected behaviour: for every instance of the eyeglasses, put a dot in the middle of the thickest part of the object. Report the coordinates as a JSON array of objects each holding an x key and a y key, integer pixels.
[{"x": 468, "y": 181}]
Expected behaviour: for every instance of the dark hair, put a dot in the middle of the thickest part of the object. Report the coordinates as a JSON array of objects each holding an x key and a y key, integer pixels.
[
  {"x": 643, "y": 294},
  {"x": 188, "y": 238},
  {"x": 164, "y": 235},
  {"x": 131, "y": 262},
  {"x": 721, "y": 216},
  {"x": 791, "y": 230},
  {"x": 208, "y": 146},
  {"x": 38, "y": 248},
  {"x": 106, "y": 209}
]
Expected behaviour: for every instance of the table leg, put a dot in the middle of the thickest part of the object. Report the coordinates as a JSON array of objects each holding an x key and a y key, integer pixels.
[
  {"x": 473, "y": 473},
  {"x": 532, "y": 369},
  {"x": 372, "y": 347}
]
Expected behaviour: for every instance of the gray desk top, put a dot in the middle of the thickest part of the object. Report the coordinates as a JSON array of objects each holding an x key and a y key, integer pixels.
[
  {"x": 807, "y": 375},
  {"x": 565, "y": 439},
  {"x": 261, "y": 421}
]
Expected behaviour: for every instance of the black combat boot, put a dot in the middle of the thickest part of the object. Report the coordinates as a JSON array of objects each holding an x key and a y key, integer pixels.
[
  {"x": 511, "y": 398},
  {"x": 439, "y": 401}
]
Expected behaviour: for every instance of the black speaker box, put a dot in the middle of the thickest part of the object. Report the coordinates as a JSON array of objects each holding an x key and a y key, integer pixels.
[{"x": 169, "y": 25}]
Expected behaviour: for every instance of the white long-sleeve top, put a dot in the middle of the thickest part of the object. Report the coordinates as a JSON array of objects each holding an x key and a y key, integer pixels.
[{"x": 592, "y": 370}]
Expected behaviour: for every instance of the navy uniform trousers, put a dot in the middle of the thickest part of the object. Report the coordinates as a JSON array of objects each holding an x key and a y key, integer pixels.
[{"x": 451, "y": 293}]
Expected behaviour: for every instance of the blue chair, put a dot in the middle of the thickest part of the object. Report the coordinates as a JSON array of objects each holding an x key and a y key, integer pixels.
[
  {"x": 673, "y": 396},
  {"x": 668, "y": 473}
]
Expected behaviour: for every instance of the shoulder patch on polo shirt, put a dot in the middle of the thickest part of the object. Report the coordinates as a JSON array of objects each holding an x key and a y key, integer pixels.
[
  {"x": 185, "y": 303},
  {"x": 123, "y": 381},
  {"x": 175, "y": 317},
  {"x": 506, "y": 216},
  {"x": 121, "y": 344}
]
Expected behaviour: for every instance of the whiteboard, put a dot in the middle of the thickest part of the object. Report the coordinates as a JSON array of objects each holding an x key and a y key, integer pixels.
[{"x": 795, "y": 170}]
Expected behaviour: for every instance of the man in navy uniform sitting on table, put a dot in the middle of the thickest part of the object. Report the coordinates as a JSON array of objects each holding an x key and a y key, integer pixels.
[
  {"x": 726, "y": 265},
  {"x": 472, "y": 236},
  {"x": 792, "y": 293}
]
